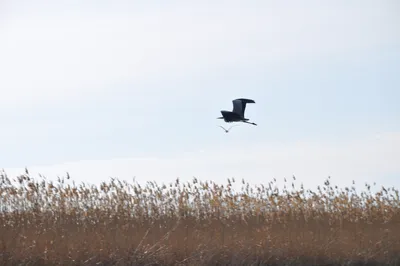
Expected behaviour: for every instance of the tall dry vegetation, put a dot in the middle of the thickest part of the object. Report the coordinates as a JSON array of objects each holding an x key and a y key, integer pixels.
[{"x": 196, "y": 223}]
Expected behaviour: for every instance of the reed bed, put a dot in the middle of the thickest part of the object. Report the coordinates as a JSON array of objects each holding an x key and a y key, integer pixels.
[{"x": 195, "y": 223}]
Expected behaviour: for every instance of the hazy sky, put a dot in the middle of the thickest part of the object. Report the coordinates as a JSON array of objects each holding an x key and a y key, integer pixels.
[{"x": 133, "y": 88}]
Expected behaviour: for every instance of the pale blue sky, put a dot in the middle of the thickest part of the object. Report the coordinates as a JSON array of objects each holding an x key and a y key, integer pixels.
[{"x": 133, "y": 88}]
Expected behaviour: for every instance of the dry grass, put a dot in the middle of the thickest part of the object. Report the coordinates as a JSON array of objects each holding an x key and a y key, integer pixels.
[{"x": 197, "y": 223}]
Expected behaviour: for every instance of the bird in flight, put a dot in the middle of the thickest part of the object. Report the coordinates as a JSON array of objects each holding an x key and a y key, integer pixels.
[
  {"x": 227, "y": 130},
  {"x": 237, "y": 114}
]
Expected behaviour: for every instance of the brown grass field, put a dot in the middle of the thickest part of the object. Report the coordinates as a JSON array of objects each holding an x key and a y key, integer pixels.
[{"x": 195, "y": 223}]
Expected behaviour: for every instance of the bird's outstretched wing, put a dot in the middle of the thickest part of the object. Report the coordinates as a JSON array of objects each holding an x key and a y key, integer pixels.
[
  {"x": 233, "y": 126},
  {"x": 227, "y": 130},
  {"x": 239, "y": 105}
]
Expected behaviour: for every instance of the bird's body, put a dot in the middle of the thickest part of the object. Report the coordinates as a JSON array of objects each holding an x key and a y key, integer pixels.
[{"x": 237, "y": 114}]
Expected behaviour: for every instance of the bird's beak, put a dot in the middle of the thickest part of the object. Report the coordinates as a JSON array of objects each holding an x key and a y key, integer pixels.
[{"x": 220, "y": 117}]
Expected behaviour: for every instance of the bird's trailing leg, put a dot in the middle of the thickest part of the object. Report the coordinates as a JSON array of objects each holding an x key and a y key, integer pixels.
[{"x": 250, "y": 123}]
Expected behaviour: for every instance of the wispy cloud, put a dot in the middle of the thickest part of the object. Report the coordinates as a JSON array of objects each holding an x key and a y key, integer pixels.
[
  {"x": 368, "y": 159},
  {"x": 138, "y": 78}
]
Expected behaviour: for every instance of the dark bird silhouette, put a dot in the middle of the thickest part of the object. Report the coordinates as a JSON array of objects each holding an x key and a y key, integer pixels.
[
  {"x": 227, "y": 130},
  {"x": 237, "y": 114}
]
